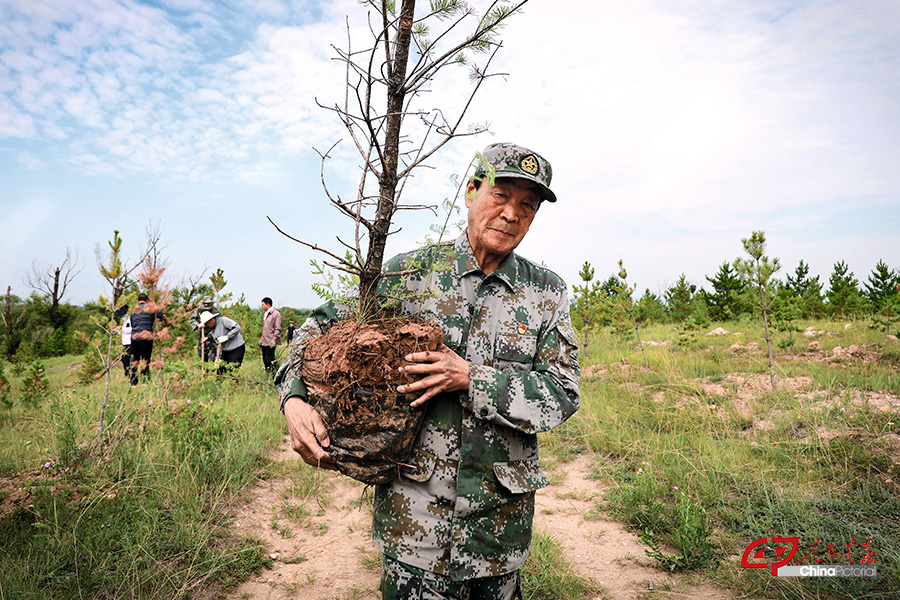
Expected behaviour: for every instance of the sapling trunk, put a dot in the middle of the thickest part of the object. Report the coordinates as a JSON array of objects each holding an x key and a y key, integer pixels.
[
  {"x": 758, "y": 269},
  {"x": 764, "y": 306},
  {"x": 387, "y": 182}
]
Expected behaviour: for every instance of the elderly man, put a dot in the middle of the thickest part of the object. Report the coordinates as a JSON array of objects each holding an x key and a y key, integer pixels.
[{"x": 457, "y": 522}]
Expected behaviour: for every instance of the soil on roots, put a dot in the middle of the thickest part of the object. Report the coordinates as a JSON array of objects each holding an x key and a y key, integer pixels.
[{"x": 351, "y": 374}]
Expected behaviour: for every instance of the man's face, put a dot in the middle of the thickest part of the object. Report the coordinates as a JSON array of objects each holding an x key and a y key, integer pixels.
[
  {"x": 499, "y": 217},
  {"x": 266, "y": 306}
]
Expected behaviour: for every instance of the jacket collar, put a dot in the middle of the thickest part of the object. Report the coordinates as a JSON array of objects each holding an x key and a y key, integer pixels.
[{"x": 507, "y": 272}]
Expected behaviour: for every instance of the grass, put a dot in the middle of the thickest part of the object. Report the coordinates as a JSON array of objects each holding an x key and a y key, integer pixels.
[
  {"x": 144, "y": 515},
  {"x": 547, "y": 576},
  {"x": 700, "y": 471},
  {"x": 701, "y": 457}
]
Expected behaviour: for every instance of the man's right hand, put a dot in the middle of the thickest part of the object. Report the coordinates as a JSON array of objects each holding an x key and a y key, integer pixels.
[{"x": 308, "y": 434}]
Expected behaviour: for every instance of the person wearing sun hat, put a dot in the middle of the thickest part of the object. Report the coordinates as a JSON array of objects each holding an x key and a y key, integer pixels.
[
  {"x": 206, "y": 305},
  {"x": 222, "y": 340},
  {"x": 457, "y": 520}
]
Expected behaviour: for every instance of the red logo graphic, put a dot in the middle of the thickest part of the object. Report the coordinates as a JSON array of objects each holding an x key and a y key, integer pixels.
[{"x": 781, "y": 554}]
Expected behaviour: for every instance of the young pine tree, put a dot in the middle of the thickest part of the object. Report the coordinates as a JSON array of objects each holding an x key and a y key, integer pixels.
[
  {"x": 589, "y": 309},
  {"x": 757, "y": 272},
  {"x": 626, "y": 304},
  {"x": 679, "y": 299},
  {"x": 726, "y": 301},
  {"x": 881, "y": 286},
  {"x": 808, "y": 290},
  {"x": 844, "y": 297}
]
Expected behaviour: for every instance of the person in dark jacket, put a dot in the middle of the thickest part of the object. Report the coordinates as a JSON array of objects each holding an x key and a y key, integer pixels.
[{"x": 142, "y": 321}]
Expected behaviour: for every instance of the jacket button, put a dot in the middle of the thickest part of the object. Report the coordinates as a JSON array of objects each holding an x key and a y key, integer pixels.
[{"x": 485, "y": 411}]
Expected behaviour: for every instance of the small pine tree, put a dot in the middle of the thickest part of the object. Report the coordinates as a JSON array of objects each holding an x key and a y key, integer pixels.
[
  {"x": 218, "y": 283},
  {"x": 807, "y": 289},
  {"x": 726, "y": 302},
  {"x": 844, "y": 298},
  {"x": 626, "y": 304},
  {"x": 888, "y": 318},
  {"x": 679, "y": 299},
  {"x": 650, "y": 308},
  {"x": 35, "y": 387},
  {"x": 589, "y": 309},
  {"x": 881, "y": 286},
  {"x": 757, "y": 272}
]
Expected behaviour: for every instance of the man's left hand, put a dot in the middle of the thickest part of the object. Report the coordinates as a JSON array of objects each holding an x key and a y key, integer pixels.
[{"x": 443, "y": 371}]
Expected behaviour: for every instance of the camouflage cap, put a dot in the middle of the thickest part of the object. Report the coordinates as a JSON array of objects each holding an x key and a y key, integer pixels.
[
  {"x": 512, "y": 160},
  {"x": 207, "y": 303}
]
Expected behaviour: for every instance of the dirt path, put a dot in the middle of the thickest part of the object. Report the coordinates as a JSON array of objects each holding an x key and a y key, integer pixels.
[{"x": 323, "y": 557}]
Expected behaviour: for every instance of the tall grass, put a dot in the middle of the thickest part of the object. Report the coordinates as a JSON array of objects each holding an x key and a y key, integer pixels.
[
  {"x": 145, "y": 516},
  {"x": 700, "y": 470},
  {"x": 698, "y": 464},
  {"x": 547, "y": 576}
]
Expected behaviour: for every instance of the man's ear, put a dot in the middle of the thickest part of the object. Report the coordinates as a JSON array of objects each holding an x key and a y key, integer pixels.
[{"x": 470, "y": 193}]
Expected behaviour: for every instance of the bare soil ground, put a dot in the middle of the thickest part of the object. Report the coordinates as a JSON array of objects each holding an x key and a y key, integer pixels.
[{"x": 324, "y": 558}]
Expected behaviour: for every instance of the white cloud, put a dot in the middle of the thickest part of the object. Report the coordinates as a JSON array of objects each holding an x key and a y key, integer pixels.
[
  {"x": 674, "y": 128},
  {"x": 31, "y": 162}
]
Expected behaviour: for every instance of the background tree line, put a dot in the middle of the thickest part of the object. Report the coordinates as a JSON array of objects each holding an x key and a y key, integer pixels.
[
  {"x": 728, "y": 296},
  {"x": 43, "y": 324}
]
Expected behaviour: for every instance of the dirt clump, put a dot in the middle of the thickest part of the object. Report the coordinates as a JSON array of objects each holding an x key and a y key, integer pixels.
[{"x": 351, "y": 374}]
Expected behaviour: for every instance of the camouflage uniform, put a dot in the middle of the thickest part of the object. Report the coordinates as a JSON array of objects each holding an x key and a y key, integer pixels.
[
  {"x": 463, "y": 509},
  {"x": 404, "y": 582}
]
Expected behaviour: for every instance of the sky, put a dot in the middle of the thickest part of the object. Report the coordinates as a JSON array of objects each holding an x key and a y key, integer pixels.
[{"x": 674, "y": 129}]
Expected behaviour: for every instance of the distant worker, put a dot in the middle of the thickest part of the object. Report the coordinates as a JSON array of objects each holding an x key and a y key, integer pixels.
[
  {"x": 271, "y": 334},
  {"x": 206, "y": 305},
  {"x": 142, "y": 321},
  {"x": 290, "y": 331},
  {"x": 223, "y": 341}
]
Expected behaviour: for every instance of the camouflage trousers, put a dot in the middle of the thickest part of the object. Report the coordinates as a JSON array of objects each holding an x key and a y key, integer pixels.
[{"x": 400, "y": 581}]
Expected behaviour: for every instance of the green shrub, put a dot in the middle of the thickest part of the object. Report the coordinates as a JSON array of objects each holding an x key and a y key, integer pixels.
[
  {"x": 90, "y": 366},
  {"x": 691, "y": 538},
  {"x": 197, "y": 435},
  {"x": 5, "y": 389},
  {"x": 35, "y": 386}
]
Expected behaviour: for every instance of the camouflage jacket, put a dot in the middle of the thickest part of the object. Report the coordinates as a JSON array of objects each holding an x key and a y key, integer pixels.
[{"x": 464, "y": 506}]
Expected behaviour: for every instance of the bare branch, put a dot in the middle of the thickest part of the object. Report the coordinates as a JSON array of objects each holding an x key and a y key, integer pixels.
[
  {"x": 349, "y": 267},
  {"x": 453, "y": 131},
  {"x": 53, "y": 281}
]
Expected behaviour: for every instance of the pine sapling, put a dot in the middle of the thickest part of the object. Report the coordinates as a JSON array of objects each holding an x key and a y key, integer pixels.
[
  {"x": 757, "y": 271},
  {"x": 589, "y": 303},
  {"x": 624, "y": 292}
]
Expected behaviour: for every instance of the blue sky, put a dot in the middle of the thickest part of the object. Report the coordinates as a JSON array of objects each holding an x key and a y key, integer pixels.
[{"x": 674, "y": 130}]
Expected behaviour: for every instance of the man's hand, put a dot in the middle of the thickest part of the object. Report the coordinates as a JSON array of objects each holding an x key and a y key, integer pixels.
[
  {"x": 308, "y": 433},
  {"x": 443, "y": 371}
]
